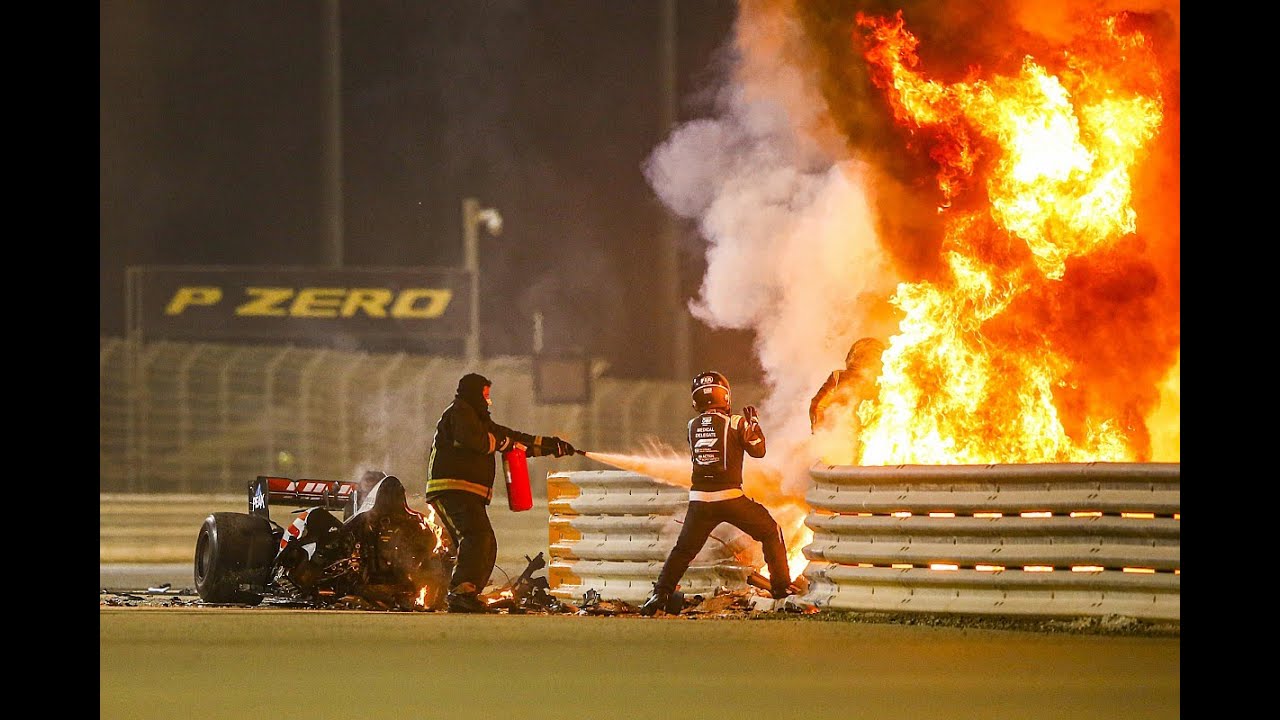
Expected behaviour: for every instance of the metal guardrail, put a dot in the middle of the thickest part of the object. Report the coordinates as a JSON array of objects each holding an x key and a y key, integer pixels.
[
  {"x": 1051, "y": 540},
  {"x": 610, "y": 531},
  {"x": 1048, "y": 540}
]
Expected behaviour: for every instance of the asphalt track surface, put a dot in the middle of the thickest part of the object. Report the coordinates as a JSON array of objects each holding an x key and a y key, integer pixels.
[
  {"x": 184, "y": 659},
  {"x": 228, "y": 662}
]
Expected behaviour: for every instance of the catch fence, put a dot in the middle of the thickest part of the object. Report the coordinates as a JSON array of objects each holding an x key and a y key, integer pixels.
[{"x": 186, "y": 417}]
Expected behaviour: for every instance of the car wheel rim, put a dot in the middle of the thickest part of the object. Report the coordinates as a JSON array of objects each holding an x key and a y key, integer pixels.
[{"x": 202, "y": 556}]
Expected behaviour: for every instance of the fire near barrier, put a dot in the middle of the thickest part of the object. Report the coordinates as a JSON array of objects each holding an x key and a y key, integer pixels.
[
  {"x": 611, "y": 530},
  {"x": 1044, "y": 540}
]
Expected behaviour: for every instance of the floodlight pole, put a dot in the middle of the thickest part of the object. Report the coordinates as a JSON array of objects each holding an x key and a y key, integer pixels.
[
  {"x": 669, "y": 243},
  {"x": 332, "y": 114},
  {"x": 472, "y": 215}
]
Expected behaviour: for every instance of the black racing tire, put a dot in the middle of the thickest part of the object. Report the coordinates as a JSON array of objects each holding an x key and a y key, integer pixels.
[{"x": 234, "y": 554}]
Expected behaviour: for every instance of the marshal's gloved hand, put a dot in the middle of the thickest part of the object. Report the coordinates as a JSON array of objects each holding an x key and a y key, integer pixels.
[
  {"x": 550, "y": 445},
  {"x": 749, "y": 412},
  {"x": 562, "y": 447}
]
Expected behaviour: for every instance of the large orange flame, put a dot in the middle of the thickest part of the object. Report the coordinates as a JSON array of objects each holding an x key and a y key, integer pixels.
[{"x": 1035, "y": 174}]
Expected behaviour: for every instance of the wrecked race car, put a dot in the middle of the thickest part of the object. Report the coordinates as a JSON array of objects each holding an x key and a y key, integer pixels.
[{"x": 381, "y": 555}]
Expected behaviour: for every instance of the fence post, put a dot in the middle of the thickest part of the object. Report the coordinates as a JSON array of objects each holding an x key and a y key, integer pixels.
[
  {"x": 344, "y": 411},
  {"x": 184, "y": 415},
  {"x": 628, "y": 424},
  {"x": 133, "y": 350},
  {"x": 268, "y": 403},
  {"x": 304, "y": 414},
  {"x": 226, "y": 444}
]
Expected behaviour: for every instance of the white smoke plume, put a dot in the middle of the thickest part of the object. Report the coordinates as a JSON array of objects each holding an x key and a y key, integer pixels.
[{"x": 791, "y": 245}]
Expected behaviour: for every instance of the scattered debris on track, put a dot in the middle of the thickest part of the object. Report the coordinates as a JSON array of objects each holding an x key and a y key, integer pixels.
[
  {"x": 530, "y": 595},
  {"x": 737, "y": 604}
]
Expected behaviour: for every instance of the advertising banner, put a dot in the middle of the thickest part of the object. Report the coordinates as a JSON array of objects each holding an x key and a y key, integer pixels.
[{"x": 297, "y": 304}]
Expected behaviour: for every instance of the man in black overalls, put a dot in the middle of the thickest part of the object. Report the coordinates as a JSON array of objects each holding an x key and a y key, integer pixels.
[
  {"x": 717, "y": 441},
  {"x": 460, "y": 475}
]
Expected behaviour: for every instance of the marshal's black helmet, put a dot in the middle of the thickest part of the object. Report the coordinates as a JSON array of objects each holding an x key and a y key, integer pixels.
[{"x": 710, "y": 390}]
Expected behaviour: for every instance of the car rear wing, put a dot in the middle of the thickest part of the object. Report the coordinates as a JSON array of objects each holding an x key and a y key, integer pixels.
[{"x": 266, "y": 490}]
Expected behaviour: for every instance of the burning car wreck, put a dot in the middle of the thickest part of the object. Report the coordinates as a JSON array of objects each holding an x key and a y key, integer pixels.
[{"x": 382, "y": 554}]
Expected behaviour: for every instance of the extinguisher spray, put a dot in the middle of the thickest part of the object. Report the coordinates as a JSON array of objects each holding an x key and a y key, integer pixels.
[{"x": 515, "y": 466}]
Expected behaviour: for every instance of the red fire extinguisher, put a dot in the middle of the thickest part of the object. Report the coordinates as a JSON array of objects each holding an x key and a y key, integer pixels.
[{"x": 515, "y": 465}]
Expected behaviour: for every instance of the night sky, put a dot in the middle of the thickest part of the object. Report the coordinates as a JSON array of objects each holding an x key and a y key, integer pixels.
[{"x": 212, "y": 143}]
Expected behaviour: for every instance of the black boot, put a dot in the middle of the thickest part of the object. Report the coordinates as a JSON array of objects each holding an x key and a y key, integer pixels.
[
  {"x": 657, "y": 600},
  {"x": 464, "y": 599}
]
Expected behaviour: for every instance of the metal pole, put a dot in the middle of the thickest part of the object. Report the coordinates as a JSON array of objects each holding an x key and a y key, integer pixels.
[
  {"x": 669, "y": 240},
  {"x": 333, "y": 204},
  {"x": 471, "y": 261},
  {"x": 133, "y": 345}
]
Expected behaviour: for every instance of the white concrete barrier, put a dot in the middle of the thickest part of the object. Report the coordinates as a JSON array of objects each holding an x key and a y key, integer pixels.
[{"x": 610, "y": 531}]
